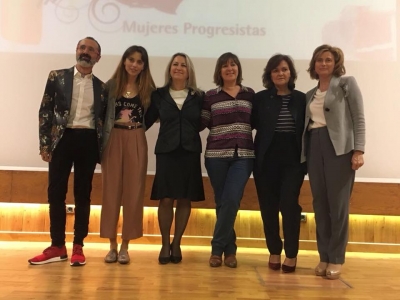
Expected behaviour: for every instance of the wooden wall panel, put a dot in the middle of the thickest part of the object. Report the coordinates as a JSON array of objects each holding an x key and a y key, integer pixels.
[
  {"x": 375, "y": 199},
  {"x": 33, "y": 219},
  {"x": 29, "y": 187},
  {"x": 367, "y": 198},
  {"x": 5, "y": 186}
]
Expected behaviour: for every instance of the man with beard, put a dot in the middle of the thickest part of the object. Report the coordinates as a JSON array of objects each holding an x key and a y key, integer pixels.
[{"x": 70, "y": 133}]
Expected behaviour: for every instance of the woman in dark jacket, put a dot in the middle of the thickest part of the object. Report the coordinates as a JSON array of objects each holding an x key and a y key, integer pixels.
[
  {"x": 278, "y": 116},
  {"x": 178, "y": 171}
]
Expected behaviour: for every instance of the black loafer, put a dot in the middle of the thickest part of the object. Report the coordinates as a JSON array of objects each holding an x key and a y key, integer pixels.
[
  {"x": 164, "y": 260},
  {"x": 176, "y": 259}
]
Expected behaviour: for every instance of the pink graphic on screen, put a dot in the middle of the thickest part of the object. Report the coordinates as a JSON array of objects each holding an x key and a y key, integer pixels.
[
  {"x": 354, "y": 29},
  {"x": 168, "y": 6}
]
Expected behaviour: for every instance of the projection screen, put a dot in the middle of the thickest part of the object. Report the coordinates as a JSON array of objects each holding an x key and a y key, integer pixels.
[{"x": 39, "y": 36}]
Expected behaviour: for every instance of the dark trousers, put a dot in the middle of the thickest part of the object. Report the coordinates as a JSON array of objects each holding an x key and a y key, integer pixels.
[
  {"x": 78, "y": 148},
  {"x": 331, "y": 180},
  {"x": 278, "y": 181},
  {"x": 228, "y": 177}
]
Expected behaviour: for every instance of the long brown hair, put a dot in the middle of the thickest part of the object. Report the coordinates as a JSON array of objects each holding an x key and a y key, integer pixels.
[{"x": 144, "y": 80}]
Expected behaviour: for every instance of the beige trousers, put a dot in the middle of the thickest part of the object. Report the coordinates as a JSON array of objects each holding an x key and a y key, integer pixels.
[{"x": 124, "y": 168}]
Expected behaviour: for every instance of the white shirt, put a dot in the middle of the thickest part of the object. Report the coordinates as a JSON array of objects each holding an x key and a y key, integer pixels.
[
  {"x": 317, "y": 110},
  {"x": 81, "y": 114},
  {"x": 179, "y": 96}
]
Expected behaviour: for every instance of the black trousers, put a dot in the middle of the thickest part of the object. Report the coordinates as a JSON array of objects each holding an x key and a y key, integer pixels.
[
  {"x": 278, "y": 184},
  {"x": 78, "y": 148}
]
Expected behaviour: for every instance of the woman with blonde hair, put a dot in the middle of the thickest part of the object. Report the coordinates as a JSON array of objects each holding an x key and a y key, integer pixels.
[
  {"x": 178, "y": 172},
  {"x": 124, "y": 161}
]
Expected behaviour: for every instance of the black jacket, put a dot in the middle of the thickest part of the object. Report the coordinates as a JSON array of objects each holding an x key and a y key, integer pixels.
[
  {"x": 56, "y": 105},
  {"x": 266, "y": 108},
  {"x": 177, "y": 127}
]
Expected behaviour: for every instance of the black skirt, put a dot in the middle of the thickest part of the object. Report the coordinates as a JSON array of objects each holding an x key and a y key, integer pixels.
[{"x": 178, "y": 176}]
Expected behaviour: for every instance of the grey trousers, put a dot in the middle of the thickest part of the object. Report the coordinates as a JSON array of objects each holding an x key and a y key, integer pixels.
[{"x": 331, "y": 179}]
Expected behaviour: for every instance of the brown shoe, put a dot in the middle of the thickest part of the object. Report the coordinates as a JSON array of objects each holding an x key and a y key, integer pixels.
[
  {"x": 333, "y": 271},
  {"x": 215, "y": 261},
  {"x": 320, "y": 269},
  {"x": 112, "y": 256},
  {"x": 123, "y": 257},
  {"x": 230, "y": 261}
]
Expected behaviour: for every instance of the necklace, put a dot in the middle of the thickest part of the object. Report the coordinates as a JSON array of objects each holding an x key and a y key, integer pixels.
[{"x": 127, "y": 94}]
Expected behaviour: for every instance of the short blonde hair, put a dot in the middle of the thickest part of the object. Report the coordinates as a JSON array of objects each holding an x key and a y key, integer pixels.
[{"x": 338, "y": 56}]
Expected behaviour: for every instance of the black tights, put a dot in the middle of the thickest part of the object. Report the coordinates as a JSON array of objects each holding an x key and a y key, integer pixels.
[{"x": 165, "y": 218}]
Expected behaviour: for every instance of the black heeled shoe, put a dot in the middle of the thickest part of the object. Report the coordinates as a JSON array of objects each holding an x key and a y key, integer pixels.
[
  {"x": 175, "y": 259},
  {"x": 163, "y": 260}
]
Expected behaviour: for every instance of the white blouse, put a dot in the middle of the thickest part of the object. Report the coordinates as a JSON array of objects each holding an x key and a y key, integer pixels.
[
  {"x": 179, "y": 96},
  {"x": 317, "y": 111}
]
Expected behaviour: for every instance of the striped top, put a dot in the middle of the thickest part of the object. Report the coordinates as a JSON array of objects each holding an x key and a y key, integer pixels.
[
  {"x": 285, "y": 121},
  {"x": 228, "y": 120}
]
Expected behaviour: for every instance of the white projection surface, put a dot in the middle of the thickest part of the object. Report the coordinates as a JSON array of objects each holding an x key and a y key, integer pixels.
[
  {"x": 38, "y": 36},
  {"x": 205, "y": 28}
]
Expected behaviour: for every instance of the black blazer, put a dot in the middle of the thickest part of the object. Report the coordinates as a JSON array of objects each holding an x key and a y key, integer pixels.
[
  {"x": 266, "y": 108},
  {"x": 177, "y": 126}
]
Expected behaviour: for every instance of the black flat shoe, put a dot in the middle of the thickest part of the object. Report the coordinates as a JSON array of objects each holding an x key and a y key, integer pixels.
[
  {"x": 176, "y": 259},
  {"x": 164, "y": 260}
]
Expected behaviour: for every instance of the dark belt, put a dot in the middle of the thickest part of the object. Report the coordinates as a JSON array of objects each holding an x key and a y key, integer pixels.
[{"x": 129, "y": 127}]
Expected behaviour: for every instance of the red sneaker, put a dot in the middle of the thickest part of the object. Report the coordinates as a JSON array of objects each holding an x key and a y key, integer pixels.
[
  {"x": 49, "y": 255},
  {"x": 77, "y": 258}
]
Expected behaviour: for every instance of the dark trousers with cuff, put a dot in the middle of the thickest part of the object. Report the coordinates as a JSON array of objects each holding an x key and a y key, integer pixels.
[
  {"x": 77, "y": 148},
  {"x": 278, "y": 183}
]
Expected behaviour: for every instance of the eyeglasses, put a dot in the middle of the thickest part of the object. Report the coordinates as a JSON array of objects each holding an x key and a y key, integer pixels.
[{"x": 90, "y": 49}]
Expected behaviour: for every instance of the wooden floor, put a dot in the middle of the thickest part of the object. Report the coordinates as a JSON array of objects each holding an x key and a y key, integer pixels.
[{"x": 365, "y": 276}]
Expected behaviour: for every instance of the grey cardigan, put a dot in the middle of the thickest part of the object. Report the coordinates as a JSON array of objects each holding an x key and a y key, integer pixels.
[
  {"x": 344, "y": 115},
  {"x": 110, "y": 113}
]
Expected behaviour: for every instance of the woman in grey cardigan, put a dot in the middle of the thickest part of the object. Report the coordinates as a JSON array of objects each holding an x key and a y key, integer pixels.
[{"x": 333, "y": 145}]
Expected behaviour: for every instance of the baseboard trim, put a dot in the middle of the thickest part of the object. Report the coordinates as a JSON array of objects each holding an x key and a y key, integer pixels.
[{"x": 195, "y": 241}]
